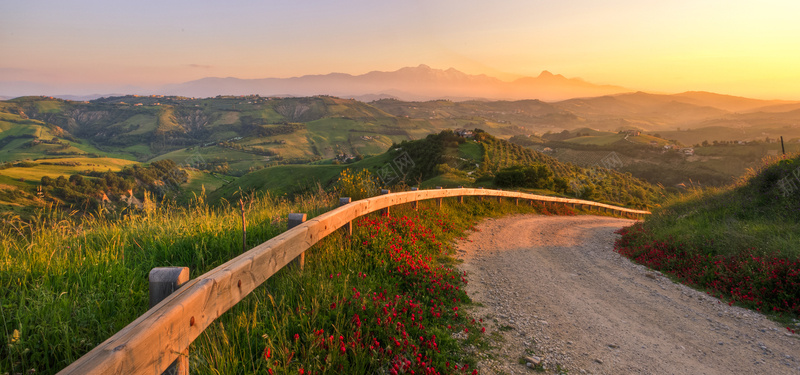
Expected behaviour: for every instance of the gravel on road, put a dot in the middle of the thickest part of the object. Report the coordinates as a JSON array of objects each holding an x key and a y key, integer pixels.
[{"x": 552, "y": 289}]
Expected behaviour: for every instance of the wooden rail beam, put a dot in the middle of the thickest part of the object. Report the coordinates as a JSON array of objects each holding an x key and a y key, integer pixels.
[
  {"x": 163, "y": 281},
  {"x": 348, "y": 228},
  {"x": 149, "y": 344},
  {"x": 296, "y": 219},
  {"x": 385, "y": 211}
]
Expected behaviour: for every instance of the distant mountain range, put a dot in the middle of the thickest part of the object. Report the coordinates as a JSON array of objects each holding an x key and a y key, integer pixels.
[
  {"x": 417, "y": 83},
  {"x": 421, "y": 83},
  {"x": 410, "y": 83}
]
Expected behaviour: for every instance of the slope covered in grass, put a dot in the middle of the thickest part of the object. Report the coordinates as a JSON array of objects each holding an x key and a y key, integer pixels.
[
  {"x": 449, "y": 157},
  {"x": 66, "y": 286},
  {"x": 740, "y": 242}
]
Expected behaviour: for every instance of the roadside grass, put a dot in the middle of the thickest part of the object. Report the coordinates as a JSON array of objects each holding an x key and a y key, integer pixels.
[
  {"x": 738, "y": 243},
  {"x": 67, "y": 285},
  {"x": 386, "y": 300}
]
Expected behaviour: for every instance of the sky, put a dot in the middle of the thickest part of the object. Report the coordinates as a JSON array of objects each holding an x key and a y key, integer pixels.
[{"x": 743, "y": 48}]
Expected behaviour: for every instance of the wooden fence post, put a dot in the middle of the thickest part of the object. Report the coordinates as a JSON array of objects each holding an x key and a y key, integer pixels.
[
  {"x": 163, "y": 282},
  {"x": 460, "y": 197},
  {"x": 348, "y": 228},
  {"x": 296, "y": 219},
  {"x": 439, "y": 200},
  {"x": 481, "y": 197},
  {"x": 414, "y": 203},
  {"x": 385, "y": 211}
]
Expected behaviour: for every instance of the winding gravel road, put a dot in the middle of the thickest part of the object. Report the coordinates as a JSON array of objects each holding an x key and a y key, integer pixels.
[{"x": 552, "y": 287}]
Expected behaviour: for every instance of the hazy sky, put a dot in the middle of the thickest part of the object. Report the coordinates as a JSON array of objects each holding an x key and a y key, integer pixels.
[{"x": 736, "y": 47}]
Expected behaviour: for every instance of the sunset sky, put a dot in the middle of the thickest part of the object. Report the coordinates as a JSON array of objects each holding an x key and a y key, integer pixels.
[{"x": 742, "y": 48}]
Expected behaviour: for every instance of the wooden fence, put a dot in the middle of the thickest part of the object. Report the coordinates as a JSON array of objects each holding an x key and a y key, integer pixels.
[{"x": 151, "y": 343}]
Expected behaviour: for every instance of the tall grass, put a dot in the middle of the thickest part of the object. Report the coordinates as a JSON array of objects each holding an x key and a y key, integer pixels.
[
  {"x": 738, "y": 243},
  {"x": 68, "y": 284}
]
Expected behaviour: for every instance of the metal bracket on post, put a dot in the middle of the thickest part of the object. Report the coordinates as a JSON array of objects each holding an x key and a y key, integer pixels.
[
  {"x": 385, "y": 211},
  {"x": 348, "y": 228},
  {"x": 414, "y": 203},
  {"x": 163, "y": 282},
  {"x": 296, "y": 219}
]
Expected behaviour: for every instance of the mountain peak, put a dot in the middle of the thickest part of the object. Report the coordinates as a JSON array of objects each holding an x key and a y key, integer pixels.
[{"x": 546, "y": 75}]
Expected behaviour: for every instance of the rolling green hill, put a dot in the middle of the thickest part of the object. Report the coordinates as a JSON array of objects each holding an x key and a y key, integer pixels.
[
  {"x": 449, "y": 160},
  {"x": 737, "y": 242},
  {"x": 231, "y": 136}
]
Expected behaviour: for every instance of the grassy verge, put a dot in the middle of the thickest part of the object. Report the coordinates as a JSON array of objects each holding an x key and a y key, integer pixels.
[
  {"x": 386, "y": 299},
  {"x": 738, "y": 243},
  {"x": 67, "y": 285}
]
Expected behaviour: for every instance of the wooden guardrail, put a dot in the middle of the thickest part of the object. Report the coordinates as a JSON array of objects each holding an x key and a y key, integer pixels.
[{"x": 162, "y": 335}]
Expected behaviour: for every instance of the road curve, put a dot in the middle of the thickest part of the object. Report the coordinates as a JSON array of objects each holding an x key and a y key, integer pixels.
[{"x": 552, "y": 287}]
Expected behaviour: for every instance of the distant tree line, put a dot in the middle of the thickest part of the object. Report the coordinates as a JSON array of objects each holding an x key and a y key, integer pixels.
[{"x": 87, "y": 190}]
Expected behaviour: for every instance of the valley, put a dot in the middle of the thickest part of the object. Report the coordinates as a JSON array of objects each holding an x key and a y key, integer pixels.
[{"x": 230, "y": 144}]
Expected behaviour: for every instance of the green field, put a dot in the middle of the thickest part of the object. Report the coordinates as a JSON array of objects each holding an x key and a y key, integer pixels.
[
  {"x": 597, "y": 140},
  {"x": 32, "y": 175}
]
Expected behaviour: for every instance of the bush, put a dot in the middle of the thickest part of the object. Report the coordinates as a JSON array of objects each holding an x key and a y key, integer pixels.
[
  {"x": 532, "y": 176},
  {"x": 356, "y": 185}
]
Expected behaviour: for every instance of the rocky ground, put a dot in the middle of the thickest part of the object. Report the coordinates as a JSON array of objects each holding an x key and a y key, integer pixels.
[{"x": 552, "y": 291}]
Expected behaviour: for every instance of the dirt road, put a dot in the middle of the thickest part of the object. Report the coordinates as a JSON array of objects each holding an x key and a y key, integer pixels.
[{"x": 552, "y": 287}]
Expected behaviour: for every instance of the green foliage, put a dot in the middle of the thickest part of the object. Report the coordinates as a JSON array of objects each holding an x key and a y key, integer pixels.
[
  {"x": 750, "y": 229},
  {"x": 427, "y": 154},
  {"x": 531, "y": 176},
  {"x": 596, "y": 183},
  {"x": 356, "y": 185},
  {"x": 67, "y": 283},
  {"x": 161, "y": 177}
]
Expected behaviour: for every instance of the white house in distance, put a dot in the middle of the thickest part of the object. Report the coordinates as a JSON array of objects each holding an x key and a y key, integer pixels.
[{"x": 464, "y": 133}]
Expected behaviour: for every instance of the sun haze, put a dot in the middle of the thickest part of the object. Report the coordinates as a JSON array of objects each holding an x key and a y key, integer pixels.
[{"x": 739, "y": 48}]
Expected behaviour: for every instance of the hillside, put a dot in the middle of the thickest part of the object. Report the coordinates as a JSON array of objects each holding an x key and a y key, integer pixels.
[
  {"x": 449, "y": 160},
  {"x": 738, "y": 242},
  {"x": 226, "y": 137}
]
